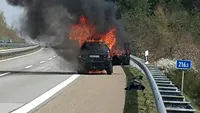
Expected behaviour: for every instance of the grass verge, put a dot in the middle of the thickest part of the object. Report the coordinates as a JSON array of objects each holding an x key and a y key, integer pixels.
[
  {"x": 19, "y": 54},
  {"x": 2, "y": 48},
  {"x": 138, "y": 101}
]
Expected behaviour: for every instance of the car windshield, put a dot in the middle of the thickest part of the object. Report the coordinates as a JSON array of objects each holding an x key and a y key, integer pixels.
[
  {"x": 100, "y": 56},
  {"x": 95, "y": 47}
]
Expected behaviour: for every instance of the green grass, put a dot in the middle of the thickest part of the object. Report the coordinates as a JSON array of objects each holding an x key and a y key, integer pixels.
[
  {"x": 2, "y": 48},
  {"x": 191, "y": 86},
  {"x": 138, "y": 101}
]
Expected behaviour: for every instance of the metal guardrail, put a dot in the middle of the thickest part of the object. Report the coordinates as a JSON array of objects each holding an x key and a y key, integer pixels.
[
  {"x": 137, "y": 58},
  {"x": 16, "y": 50},
  {"x": 157, "y": 96},
  {"x": 15, "y": 45},
  {"x": 167, "y": 97}
]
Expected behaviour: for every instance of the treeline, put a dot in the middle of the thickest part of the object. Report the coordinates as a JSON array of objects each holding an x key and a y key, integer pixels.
[
  {"x": 6, "y": 31},
  {"x": 167, "y": 28}
]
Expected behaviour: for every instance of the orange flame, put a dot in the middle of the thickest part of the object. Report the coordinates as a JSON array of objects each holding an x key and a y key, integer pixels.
[
  {"x": 117, "y": 52},
  {"x": 82, "y": 32},
  {"x": 97, "y": 72}
]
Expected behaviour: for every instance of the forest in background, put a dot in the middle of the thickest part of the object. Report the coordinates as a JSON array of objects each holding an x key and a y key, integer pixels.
[
  {"x": 6, "y": 31},
  {"x": 169, "y": 29}
]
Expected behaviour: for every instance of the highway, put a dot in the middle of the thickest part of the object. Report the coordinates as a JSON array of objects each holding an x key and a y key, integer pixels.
[
  {"x": 23, "y": 92},
  {"x": 42, "y": 60},
  {"x": 74, "y": 93},
  {"x": 18, "y": 89}
]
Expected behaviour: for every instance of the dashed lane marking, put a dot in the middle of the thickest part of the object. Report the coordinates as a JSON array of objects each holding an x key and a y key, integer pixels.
[
  {"x": 30, "y": 66},
  {"x": 42, "y": 62}
]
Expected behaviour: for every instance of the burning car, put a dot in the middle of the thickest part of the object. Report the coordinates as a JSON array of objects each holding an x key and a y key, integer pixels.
[
  {"x": 94, "y": 55},
  {"x": 90, "y": 41}
]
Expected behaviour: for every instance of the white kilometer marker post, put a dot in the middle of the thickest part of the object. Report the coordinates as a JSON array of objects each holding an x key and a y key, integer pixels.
[
  {"x": 146, "y": 56},
  {"x": 54, "y": 56},
  {"x": 28, "y": 66},
  {"x": 42, "y": 62}
]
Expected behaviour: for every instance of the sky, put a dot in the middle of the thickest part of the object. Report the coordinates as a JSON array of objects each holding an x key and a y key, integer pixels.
[{"x": 12, "y": 14}]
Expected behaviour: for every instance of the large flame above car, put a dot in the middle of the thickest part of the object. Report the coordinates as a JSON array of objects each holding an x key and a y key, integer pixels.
[{"x": 85, "y": 31}]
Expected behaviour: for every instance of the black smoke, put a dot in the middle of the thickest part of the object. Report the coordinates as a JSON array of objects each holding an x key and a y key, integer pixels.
[{"x": 47, "y": 21}]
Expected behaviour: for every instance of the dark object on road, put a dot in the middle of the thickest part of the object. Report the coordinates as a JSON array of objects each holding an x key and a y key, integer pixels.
[
  {"x": 124, "y": 58},
  {"x": 136, "y": 84},
  {"x": 94, "y": 56}
]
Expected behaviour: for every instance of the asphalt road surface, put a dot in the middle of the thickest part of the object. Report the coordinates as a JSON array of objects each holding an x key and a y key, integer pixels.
[
  {"x": 91, "y": 94},
  {"x": 57, "y": 93}
]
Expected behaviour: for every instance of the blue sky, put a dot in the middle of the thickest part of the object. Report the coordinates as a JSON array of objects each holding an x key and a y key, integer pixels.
[{"x": 12, "y": 14}]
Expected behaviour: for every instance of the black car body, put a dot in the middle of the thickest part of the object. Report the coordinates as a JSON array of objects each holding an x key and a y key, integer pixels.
[{"x": 94, "y": 56}]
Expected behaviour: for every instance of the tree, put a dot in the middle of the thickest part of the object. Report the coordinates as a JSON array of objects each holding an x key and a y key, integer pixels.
[{"x": 5, "y": 31}]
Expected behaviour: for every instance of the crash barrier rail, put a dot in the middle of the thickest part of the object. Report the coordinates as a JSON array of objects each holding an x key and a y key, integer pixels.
[
  {"x": 15, "y": 45},
  {"x": 137, "y": 58},
  {"x": 157, "y": 96},
  {"x": 16, "y": 50},
  {"x": 167, "y": 97}
]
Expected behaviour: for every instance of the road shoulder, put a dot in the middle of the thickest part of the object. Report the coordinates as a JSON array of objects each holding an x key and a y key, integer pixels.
[
  {"x": 138, "y": 101},
  {"x": 91, "y": 94}
]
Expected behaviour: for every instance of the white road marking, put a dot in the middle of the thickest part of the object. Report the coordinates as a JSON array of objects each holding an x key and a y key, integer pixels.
[
  {"x": 39, "y": 100},
  {"x": 28, "y": 66},
  {"x": 50, "y": 58},
  {"x": 1, "y": 75},
  {"x": 42, "y": 62},
  {"x": 47, "y": 69},
  {"x": 21, "y": 56}
]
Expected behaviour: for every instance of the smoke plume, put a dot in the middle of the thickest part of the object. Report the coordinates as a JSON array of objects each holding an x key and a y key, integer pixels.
[{"x": 47, "y": 21}]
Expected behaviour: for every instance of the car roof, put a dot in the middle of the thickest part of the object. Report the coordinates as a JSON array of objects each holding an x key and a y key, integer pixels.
[{"x": 95, "y": 41}]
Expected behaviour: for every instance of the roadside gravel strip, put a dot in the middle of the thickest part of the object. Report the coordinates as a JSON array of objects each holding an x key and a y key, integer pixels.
[{"x": 91, "y": 94}]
